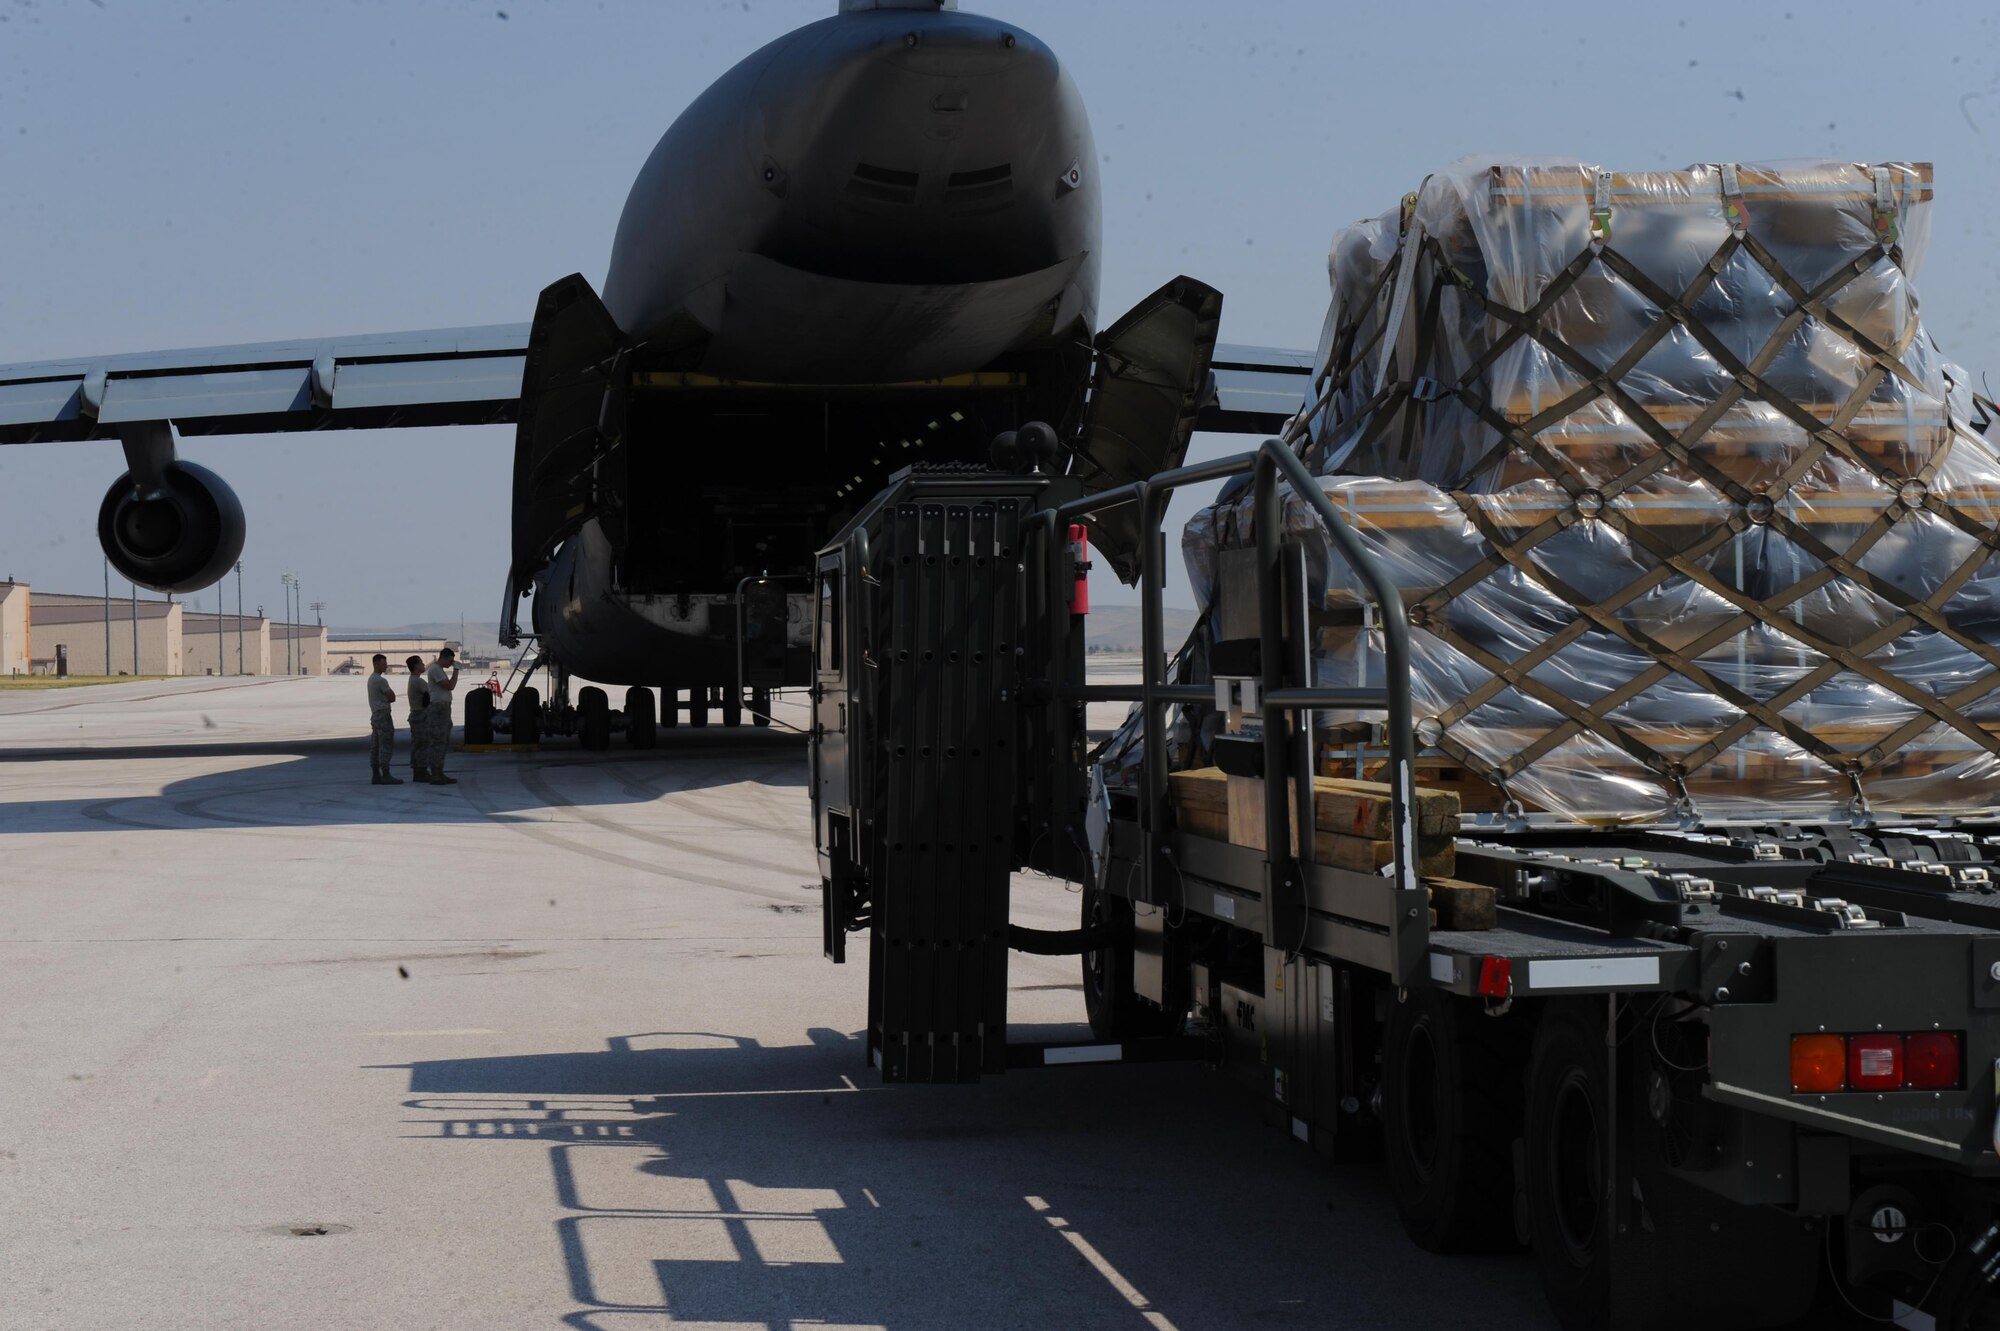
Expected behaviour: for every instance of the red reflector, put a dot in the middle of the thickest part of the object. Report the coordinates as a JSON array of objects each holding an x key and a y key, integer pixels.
[
  {"x": 1934, "y": 1061},
  {"x": 1496, "y": 976},
  {"x": 1875, "y": 1062},
  {"x": 1819, "y": 1062}
]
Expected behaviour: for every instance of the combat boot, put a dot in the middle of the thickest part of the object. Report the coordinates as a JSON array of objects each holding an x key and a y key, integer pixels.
[{"x": 389, "y": 779}]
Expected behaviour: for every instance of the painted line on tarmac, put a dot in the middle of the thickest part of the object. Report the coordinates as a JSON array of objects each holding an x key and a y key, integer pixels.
[{"x": 1102, "y": 1265}]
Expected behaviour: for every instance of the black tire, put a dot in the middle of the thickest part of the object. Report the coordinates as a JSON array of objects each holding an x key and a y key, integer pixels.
[
  {"x": 1750, "y": 1266},
  {"x": 1115, "y": 1010},
  {"x": 760, "y": 707},
  {"x": 1568, "y": 1131},
  {"x": 479, "y": 717},
  {"x": 640, "y": 731},
  {"x": 1451, "y": 1109},
  {"x": 732, "y": 707},
  {"x": 697, "y": 707},
  {"x": 524, "y": 716},
  {"x": 593, "y": 718},
  {"x": 670, "y": 708}
]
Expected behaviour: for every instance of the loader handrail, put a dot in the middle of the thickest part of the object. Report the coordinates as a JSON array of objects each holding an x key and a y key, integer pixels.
[{"x": 1287, "y": 749}]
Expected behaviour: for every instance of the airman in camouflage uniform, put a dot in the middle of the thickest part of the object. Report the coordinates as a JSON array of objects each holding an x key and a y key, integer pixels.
[
  {"x": 419, "y": 694},
  {"x": 381, "y": 724},
  {"x": 442, "y": 678}
]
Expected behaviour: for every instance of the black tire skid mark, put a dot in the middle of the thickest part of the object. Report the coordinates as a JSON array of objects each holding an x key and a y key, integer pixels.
[
  {"x": 777, "y": 820},
  {"x": 533, "y": 781},
  {"x": 542, "y": 833}
]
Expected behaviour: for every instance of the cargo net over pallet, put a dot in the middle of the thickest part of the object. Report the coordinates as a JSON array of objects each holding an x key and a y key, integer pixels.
[{"x": 1690, "y": 517}]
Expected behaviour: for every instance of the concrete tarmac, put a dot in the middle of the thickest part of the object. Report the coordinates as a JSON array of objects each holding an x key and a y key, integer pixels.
[{"x": 556, "y": 1048}]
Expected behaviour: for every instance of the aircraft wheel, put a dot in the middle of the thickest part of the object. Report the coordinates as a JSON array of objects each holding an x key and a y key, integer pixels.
[
  {"x": 670, "y": 707},
  {"x": 479, "y": 717},
  {"x": 524, "y": 716},
  {"x": 697, "y": 707},
  {"x": 760, "y": 707},
  {"x": 594, "y": 718},
  {"x": 639, "y": 728},
  {"x": 732, "y": 708},
  {"x": 1451, "y": 1109}
]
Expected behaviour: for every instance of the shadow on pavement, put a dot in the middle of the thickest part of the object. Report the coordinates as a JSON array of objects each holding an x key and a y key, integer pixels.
[
  {"x": 707, "y": 1179},
  {"x": 325, "y": 784}
]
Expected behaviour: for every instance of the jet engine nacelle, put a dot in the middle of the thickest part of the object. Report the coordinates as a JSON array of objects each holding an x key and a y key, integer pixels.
[{"x": 178, "y": 536}]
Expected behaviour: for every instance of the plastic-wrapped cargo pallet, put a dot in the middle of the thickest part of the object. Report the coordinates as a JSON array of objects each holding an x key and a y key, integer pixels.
[{"x": 1689, "y": 515}]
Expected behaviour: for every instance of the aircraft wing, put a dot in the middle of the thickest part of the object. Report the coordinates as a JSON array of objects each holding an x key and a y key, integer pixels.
[{"x": 442, "y": 376}]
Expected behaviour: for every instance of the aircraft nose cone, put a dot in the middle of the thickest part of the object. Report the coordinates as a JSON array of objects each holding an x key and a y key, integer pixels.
[
  {"x": 972, "y": 48},
  {"x": 941, "y": 150}
]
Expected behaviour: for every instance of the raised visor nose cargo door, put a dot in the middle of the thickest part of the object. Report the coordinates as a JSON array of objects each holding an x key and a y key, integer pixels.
[
  {"x": 572, "y": 349},
  {"x": 1152, "y": 376}
]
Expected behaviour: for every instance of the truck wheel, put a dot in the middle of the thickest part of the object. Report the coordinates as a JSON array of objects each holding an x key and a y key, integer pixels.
[
  {"x": 1450, "y": 1114},
  {"x": 670, "y": 708},
  {"x": 1115, "y": 1011},
  {"x": 524, "y": 716},
  {"x": 760, "y": 707},
  {"x": 1568, "y": 1133},
  {"x": 594, "y": 718},
  {"x": 479, "y": 717},
  {"x": 732, "y": 707},
  {"x": 640, "y": 731}
]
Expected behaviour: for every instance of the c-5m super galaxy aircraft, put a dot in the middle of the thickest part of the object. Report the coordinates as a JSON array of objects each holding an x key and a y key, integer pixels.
[{"x": 874, "y": 242}]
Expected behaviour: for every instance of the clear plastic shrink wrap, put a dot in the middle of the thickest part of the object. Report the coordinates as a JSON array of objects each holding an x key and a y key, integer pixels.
[{"x": 1689, "y": 516}]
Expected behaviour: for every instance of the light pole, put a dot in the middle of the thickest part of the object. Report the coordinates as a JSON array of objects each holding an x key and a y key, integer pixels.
[
  {"x": 239, "y": 616},
  {"x": 291, "y": 643}
]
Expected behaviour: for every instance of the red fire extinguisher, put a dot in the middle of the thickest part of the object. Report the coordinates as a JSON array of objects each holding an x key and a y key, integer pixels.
[{"x": 1079, "y": 556}]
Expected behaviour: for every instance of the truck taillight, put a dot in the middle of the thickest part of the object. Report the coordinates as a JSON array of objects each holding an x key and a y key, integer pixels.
[
  {"x": 1819, "y": 1062},
  {"x": 1875, "y": 1062},
  {"x": 1934, "y": 1060},
  {"x": 1919, "y": 1061}
]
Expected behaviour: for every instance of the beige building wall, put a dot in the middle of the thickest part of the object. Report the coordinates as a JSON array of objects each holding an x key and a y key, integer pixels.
[
  {"x": 348, "y": 656},
  {"x": 310, "y": 657},
  {"x": 198, "y": 649},
  {"x": 14, "y": 654},
  {"x": 80, "y": 627}
]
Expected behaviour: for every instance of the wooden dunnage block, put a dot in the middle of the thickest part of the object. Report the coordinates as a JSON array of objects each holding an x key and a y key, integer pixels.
[
  {"x": 1238, "y": 818},
  {"x": 1461, "y": 905}
]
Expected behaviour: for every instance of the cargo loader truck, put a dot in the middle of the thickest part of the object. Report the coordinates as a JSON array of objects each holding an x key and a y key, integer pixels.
[{"x": 1727, "y": 1073}]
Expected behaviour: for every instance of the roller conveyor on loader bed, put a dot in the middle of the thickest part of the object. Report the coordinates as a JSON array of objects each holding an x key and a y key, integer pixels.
[{"x": 1727, "y": 1075}]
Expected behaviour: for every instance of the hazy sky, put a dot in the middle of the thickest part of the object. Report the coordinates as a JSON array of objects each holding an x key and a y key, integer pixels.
[{"x": 177, "y": 174}]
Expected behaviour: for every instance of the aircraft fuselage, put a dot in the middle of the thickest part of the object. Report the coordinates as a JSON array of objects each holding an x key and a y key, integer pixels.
[{"x": 882, "y": 197}]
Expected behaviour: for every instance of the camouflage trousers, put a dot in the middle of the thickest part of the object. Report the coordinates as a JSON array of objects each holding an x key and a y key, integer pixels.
[
  {"x": 420, "y": 741},
  {"x": 381, "y": 740},
  {"x": 439, "y": 716}
]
